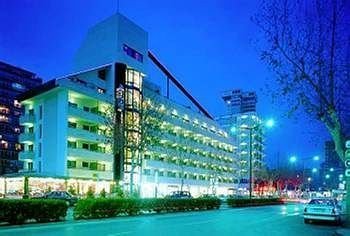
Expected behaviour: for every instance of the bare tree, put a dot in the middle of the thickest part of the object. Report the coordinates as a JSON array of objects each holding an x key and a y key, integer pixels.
[
  {"x": 133, "y": 132},
  {"x": 307, "y": 46}
]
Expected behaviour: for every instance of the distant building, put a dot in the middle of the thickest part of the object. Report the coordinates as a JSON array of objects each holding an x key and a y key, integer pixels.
[
  {"x": 240, "y": 118},
  {"x": 239, "y": 102},
  {"x": 13, "y": 81},
  {"x": 332, "y": 169}
]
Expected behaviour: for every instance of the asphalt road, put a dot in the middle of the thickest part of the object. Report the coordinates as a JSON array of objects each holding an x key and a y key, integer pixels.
[{"x": 268, "y": 220}]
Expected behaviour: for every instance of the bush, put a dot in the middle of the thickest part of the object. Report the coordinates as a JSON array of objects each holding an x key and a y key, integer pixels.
[
  {"x": 242, "y": 202},
  {"x": 41, "y": 210},
  {"x": 104, "y": 207}
]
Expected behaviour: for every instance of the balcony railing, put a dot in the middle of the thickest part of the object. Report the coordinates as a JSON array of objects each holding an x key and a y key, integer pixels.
[
  {"x": 26, "y": 137},
  {"x": 89, "y": 154},
  {"x": 25, "y": 155},
  {"x": 27, "y": 119},
  {"x": 86, "y": 115},
  {"x": 91, "y": 174},
  {"x": 86, "y": 135}
]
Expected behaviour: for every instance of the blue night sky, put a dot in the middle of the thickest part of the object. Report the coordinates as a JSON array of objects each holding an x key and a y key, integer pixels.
[{"x": 207, "y": 45}]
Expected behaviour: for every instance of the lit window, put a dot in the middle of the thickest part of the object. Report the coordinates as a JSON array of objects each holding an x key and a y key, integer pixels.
[
  {"x": 4, "y": 118},
  {"x": 101, "y": 90},
  {"x": 16, "y": 104},
  {"x": 4, "y": 144}
]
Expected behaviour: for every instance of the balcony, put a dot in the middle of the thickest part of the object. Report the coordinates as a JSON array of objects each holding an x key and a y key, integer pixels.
[
  {"x": 27, "y": 119},
  {"x": 90, "y": 174},
  {"x": 26, "y": 155},
  {"x": 90, "y": 155},
  {"x": 86, "y": 88},
  {"x": 86, "y": 135},
  {"x": 78, "y": 112},
  {"x": 26, "y": 137}
]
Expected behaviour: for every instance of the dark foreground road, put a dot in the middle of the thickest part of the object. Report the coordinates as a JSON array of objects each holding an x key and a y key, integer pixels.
[{"x": 270, "y": 220}]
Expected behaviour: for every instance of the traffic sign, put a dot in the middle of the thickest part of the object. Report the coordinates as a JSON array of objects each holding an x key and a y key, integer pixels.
[
  {"x": 347, "y": 144},
  {"x": 347, "y": 172},
  {"x": 347, "y": 163},
  {"x": 347, "y": 154}
]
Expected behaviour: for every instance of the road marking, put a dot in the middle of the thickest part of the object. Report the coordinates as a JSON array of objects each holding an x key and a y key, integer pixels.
[{"x": 120, "y": 233}]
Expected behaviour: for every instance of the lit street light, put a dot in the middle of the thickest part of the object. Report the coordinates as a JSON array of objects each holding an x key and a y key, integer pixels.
[
  {"x": 269, "y": 124},
  {"x": 293, "y": 159},
  {"x": 314, "y": 170},
  {"x": 327, "y": 176}
]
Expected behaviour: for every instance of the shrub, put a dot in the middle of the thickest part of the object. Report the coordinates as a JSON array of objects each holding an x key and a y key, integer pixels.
[
  {"x": 103, "y": 193},
  {"x": 111, "y": 207},
  {"x": 242, "y": 202},
  {"x": 41, "y": 210},
  {"x": 90, "y": 193}
]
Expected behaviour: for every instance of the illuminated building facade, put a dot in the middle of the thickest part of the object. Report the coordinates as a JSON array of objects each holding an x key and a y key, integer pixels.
[
  {"x": 242, "y": 117},
  {"x": 13, "y": 81},
  {"x": 69, "y": 132}
]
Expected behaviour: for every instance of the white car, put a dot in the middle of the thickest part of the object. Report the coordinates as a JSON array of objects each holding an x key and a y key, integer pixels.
[{"x": 327, "y": 209}]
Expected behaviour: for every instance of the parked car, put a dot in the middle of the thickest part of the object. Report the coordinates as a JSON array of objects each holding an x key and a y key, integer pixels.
[
  {"x": 324, "y": 209},
  {"x": 62, "y": 195},
  {"x": 180, "y": 195}
]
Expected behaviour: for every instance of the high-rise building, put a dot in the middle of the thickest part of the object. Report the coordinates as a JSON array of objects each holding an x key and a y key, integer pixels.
[
  {"x": 13, "y": 81},
  {"x": 71, "y": 137},
  {"x": 238, "y": 102},
  {"x": 244, "y": 125}
]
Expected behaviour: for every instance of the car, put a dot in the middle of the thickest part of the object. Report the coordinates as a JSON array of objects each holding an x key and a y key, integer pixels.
[
  {"x": 324, "y": 209},
  {"x": 180, "y": 195},
  {"x": 62, "y": 195}
]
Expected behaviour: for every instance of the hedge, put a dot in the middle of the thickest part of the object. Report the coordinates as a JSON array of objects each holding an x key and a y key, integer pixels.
[
  {"x": 111, "y": 207},
  {"x": 40, "y": 210},
  {"x": 242, "y": 202}
]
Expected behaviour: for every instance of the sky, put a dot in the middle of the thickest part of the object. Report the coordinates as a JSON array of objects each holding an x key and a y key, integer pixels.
[{"x": 209, "y": 45}]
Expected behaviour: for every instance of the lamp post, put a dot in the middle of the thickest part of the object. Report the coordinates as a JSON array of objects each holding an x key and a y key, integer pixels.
[{"x": 269, "y": 123}]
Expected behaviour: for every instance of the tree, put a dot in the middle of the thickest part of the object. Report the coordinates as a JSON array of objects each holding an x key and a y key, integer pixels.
[
  {"x": 307, "y": 46},
  {"x": 133, "y": 132}
]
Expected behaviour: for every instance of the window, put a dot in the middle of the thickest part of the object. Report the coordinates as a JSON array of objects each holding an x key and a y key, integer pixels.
[
  {"x": 39, "y": 148},
  {"x": 101, "y": 90},
  {"x": 86, "y": 109},
  {"x": 40, "y": 112},
  {"x": 101, "y": 167},
  {"x": 30, "y": 166},
  {"x": 132, "y": 53},
  {"x": 39, "y": 166},
  {"x": 17, "y": 130},
  {"x": 16, "y": 104},
  {"x": 4, "y": 118},
  {"x": 71, "y": 164},
  {"x": 72, "y": 144},
  {"x": 85, "y": 164},
  {"x": 102, "y": 74},
  {"x": 30, "y": 147},
  {"x": 93, "y": 166},
  {"x": 71, "y": 104},
  {"x": 31, "y": 130},
  {"x": 40, "y": 131},
  {"x": 72, "y": 124},
  {"x": 86, "y": 127},
  {"x": 31, "y": 112},
  {"x": 85, "y": 145}
]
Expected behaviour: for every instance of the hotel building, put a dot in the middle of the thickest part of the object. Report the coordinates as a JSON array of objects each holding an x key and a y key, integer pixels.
[{"x": 69, "y": 141}]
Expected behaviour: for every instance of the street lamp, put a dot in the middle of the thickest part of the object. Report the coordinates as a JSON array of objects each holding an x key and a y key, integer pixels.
[
  {"x": 269, "y": 124},
  {"x": 314, "y": 170},
  {"x": 327, "y": 176},
  {"x": 293, "y": 159}
]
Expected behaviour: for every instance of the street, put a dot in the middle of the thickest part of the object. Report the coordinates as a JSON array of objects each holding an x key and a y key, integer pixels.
[{"x": 267, "y": 220}]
